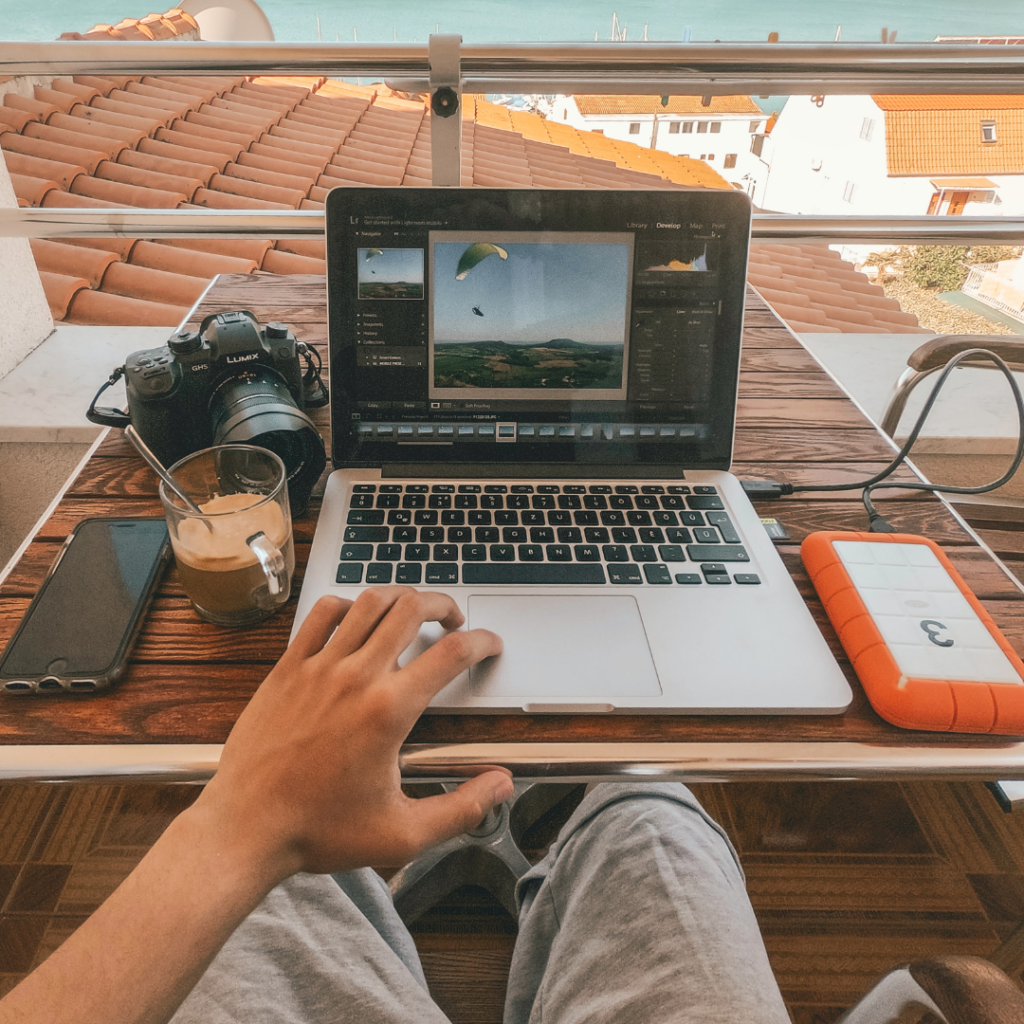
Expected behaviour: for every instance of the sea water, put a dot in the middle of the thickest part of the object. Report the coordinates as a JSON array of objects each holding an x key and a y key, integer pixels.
[{"x": 481, "y": 21}]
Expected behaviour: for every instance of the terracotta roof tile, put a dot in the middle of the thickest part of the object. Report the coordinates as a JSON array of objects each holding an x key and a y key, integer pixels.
[
  {"x": 950, "y": 102},
  {"x": 16, "y": 119},
  {"x": 813, "y": 289},
  {"x": 190, "y": 262},
  {"x": 72, "y": 260},
  {"x": 310, "y": 204},
  {"x": 104, "y": 83},
  {"x": 168, "y": 183},
  {"x": 243, "y": 187},
  {"x": 214, "y": 83},
  {"x": 275, "y": 145},
  {"x": 120, "y": 247},
  {"x": 285, "y": 86},
  {"x": 146, "y": 125},
  {"x": 63, "y": 101},
  {"x": 266, "y": 111},
  {"x": 102, "y": 130},
  {"x": 41, "y": 110},
  {"x": 202, "y": 172},
  {"x": 227, "y": 201},
  {"x": 314, "y": 248},
  {"x": 137, "y": 110},
  {"x": 183, "y": 154},
  {"x": 79, "y": 140},
  {"x": 83, "y": 93},
  {"x": 265, "y": 177},
  {"x": 72, "y": 200},
  {"x": 60, "y": 290},
  {"x": 90, "y": 159},
  {"x": 238, "y": 115},
  {"x": 302, "y": 168},
  {"x": 278, "y": 262},
  {"x": 121, "y": 194},
  {"x": 949, "y": 141},
  {"x": 102, "y": 308},
  {"x": 227, "y": 135},
  {"x": 36, "y": 167},
  {"x": 593, "y": 104},
  {"x": 285, "y": 137},
  {"x": 305, "y": 134},
  {"x": 191, "y": 140},
  {"x": 249, "y": 249},
  {"x": 175, "y": 96},
  {"x": 318, "y": 193},
  {"x": 278, "y": 158},
  {"x": 132, "y": 29},
  {"x": 138, "y": 282},
  {"x": 139, "y": 100},
  {"x": 31, "y": 189}
]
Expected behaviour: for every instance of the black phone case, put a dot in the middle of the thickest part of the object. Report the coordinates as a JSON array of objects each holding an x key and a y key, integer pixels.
[{"x": 48, "y": 683}]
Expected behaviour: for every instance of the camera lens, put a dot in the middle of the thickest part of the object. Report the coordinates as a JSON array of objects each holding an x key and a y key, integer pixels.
[{"x": 257, "y": 408}]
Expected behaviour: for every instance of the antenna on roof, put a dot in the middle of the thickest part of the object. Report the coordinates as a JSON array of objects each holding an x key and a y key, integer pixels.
[
  {"x": 839, "y": 33},
  {"x": 687, "y": 32},
  {"x": 318, "y": 28}
]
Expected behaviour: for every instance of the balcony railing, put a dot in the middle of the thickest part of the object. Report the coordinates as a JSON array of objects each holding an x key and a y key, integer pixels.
[{"x": 704, "y": 69}]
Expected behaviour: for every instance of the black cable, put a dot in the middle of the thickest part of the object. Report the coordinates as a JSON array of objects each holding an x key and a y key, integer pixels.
[
  {"x": 313, "y": 371},
  {"x": 772, "y": 489}
]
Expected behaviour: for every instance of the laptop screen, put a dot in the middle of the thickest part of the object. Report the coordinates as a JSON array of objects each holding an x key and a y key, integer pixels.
[{"x": 535, "y": 326}]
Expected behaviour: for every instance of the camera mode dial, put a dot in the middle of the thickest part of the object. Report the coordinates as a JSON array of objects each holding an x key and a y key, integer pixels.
[{"x": 187, "y": 341}]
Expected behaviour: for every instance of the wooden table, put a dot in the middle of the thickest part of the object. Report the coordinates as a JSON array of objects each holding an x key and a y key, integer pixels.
[{"x": 189, "y": 680}]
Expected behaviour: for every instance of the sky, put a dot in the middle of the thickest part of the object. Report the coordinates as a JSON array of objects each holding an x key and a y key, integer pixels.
[
  {"x": 390, "y": 266},
  {"x": 542, "y": 291}
]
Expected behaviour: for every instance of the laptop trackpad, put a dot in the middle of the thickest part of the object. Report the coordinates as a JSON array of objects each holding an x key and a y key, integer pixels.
[{"x": 563, "y": 653}]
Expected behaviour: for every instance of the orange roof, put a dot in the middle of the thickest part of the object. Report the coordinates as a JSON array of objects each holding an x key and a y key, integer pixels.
[
  {"x": 948, "y": 142},
  {"x": 267, "y": 143},
  {"x": 888, "y": 103},
  {"x": 676, "y": 105},
  {"x": 817, "y": 292},
  {"x": 173, "y": 24}
]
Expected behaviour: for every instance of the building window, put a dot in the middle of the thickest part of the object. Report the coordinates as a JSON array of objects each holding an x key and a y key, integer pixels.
[
  {"x": 634, "y": 127},
  {"x": 757, "y": 145},
  {"x": 716, "y": 126},
  {"x": 867, "y": 128},
  {"x": 730, "y": 160},
  {"x": 702, "y": 126},
  {"x": 673, "y": 128},
  {"x": 687, "y": 127},
  {"x": 711, "y": 156},
  {"x": 988, "y": 131},
  {"x": 565, "y": 113},
  {"x": 849, "y": 191},
  {"x": 754, "y": 125}
]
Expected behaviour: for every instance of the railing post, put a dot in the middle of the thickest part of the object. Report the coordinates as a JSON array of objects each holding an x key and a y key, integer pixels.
[{"x": 445, "y": 110}]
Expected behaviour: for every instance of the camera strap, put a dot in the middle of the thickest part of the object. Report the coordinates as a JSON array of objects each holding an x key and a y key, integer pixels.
[{"x": 107, "y": 417}]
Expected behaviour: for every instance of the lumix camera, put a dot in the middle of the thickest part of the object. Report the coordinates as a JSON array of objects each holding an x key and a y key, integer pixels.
[{"x": 233, "y": 382}]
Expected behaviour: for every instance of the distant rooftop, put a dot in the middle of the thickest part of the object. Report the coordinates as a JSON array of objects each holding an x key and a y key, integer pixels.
[
  {"x": 174, "y": 23},
  {"x": 676, "y": 105}
]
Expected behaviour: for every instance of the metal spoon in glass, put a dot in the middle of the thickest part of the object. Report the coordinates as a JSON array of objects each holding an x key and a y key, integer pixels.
[{"x": 158, "y": 467}]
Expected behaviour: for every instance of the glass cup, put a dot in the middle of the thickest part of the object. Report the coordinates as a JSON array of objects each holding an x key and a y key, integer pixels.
[{"x": 235, "y": 559}]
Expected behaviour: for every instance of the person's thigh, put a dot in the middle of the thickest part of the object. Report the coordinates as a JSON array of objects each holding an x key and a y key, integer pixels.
[
  {"x": 309, "y": 954},
  {"x": 639, "y": 913}
]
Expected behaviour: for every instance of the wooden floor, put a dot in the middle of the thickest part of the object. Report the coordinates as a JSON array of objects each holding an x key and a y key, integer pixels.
[{"x": 847, "y": 879}]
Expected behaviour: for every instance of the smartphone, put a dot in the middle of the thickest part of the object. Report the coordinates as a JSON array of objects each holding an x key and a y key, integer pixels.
[{"x": 77, "y": 632}]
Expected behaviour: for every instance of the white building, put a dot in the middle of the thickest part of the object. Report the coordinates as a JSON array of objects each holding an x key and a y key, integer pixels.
[
  {"x": 901, "y": 155},
  {"x": 727, "y": 134}
]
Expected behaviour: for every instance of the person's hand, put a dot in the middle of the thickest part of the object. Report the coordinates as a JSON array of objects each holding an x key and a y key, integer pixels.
[{"x": 309, "y": 777}]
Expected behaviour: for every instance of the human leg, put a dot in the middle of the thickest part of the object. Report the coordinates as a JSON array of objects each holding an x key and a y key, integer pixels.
[
  {"x": 318, "y": 948},
  {"x": 639, "y": 913}
]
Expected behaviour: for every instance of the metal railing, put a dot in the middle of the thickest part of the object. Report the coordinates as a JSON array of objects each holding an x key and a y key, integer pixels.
[
  {"x": 791, "y": 229},
  {"x": 705, "y": 69}
]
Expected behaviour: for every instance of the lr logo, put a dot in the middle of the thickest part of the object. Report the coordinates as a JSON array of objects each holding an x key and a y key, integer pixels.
[{"x": 931, "y": 628}]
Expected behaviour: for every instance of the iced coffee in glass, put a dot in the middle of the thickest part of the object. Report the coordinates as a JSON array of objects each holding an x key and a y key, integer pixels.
[{"x": 235, "y": 557}]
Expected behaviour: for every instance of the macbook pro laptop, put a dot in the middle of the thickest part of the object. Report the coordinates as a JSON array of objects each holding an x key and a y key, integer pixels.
[{"x": 533, "y": 408}]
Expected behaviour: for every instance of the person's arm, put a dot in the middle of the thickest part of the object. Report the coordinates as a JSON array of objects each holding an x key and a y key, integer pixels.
[{"x": 308, "y": 781}]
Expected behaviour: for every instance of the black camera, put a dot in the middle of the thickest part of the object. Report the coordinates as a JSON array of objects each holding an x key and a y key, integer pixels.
[{"x": 233, "y": 382}]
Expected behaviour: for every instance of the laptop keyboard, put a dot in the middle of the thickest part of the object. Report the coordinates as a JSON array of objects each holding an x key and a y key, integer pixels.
[{"x": 542, "y": 533}]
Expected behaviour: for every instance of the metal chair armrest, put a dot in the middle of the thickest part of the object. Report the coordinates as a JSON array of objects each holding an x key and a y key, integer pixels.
[{"x": 934, "y": 354}]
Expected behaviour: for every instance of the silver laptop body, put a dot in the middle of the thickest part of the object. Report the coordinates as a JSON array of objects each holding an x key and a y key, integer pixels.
[{"x": 533, "y": 397}]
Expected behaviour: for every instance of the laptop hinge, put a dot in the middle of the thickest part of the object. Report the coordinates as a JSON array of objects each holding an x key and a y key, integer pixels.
[{"x": 531, "y": 470}]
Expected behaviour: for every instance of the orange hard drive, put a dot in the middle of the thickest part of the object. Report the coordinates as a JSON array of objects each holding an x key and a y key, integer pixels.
[{"x": 925, "y": 650}]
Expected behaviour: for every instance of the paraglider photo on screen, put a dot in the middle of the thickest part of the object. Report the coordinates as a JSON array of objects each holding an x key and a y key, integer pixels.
[
  {"x": 529, "y": 315},
  {"x": 390, "y": 273}
]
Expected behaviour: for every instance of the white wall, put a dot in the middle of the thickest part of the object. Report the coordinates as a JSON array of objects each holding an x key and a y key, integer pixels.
[
  {"x": 820, "y": 163},
  {"x": 24, "y": 312},
  {"x": 733, "y": 135}
]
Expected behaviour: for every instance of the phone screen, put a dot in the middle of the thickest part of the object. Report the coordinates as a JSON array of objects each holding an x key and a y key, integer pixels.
[{"x": 90, "y": 602}]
